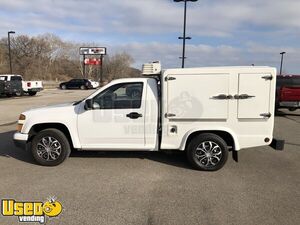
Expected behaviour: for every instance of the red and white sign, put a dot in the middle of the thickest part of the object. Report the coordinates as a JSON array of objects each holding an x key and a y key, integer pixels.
[
  {"x": 92, "y": 61},
  {"x": 92, "y": 51}
]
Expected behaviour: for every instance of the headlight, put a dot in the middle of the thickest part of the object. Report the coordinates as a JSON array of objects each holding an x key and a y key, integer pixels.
[
  {"x": 22, "y": 117},
  {"x": 21, "y": 122}
]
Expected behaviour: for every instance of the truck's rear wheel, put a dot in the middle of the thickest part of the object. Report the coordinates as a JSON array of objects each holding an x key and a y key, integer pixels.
[
  {"x": 19, "y": 93},
  {"x": 207, "y": 152},
  {"x": 32, "y": 93},
  {"x": 50, "y": 147}
]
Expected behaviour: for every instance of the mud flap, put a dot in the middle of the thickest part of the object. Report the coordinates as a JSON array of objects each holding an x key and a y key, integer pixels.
[
  {"x": 235, "y": 155},
  {"x": 277, "y": 144}
]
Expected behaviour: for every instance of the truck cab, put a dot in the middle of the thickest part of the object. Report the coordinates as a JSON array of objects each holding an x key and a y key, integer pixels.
[
  {"x": 205, "y": 112},
  {"x": 288, "y": 92}
]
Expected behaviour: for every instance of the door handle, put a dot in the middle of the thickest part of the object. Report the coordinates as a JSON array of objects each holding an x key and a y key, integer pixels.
[
  {"x": 134, "y": 115},
  {"x": 266, "y": 115},
  {"x": 222, "y": 97},
  {"x": 243, "y": 96},
  {"x": 167, "y": 115}
]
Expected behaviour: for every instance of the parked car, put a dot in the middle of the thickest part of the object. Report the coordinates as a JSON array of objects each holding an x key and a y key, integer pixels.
[
  {"x": 95, "y": 84},
  {"x": 11, "y": 87},
  {"x": 28, "y": 87},
  {"x": 203, "y": 111},
  {"x": 76, "y": 84},
  {"x": 288, "y": 92}
]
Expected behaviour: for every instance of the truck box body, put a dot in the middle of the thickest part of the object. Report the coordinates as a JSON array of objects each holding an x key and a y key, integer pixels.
[{"x": 238, "y": 100}]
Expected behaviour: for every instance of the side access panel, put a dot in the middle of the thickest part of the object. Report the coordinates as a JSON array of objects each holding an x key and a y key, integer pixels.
[
  {"x": 254, "y": 96},
  {"x": 197, "y": 96}
]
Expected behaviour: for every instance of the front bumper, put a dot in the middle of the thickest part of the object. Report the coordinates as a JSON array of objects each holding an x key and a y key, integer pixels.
[{"x": 20, "y": 140}]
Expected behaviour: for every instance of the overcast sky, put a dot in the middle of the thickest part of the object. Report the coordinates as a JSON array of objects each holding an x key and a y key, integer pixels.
[{"x": 224, "y": 32}]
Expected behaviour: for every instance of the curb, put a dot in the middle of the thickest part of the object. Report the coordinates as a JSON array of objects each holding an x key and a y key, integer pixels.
[{"x": 7, "y": 124}]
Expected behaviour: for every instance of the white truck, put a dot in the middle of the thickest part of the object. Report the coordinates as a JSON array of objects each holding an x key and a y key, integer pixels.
[
  {"x": 29, "y": 87},
  {"x": 203, "y": 111}
]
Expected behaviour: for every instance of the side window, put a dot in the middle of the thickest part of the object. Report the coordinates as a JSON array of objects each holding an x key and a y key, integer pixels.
[
  {"x": 121, "y": 96},
  {"x": 283, "y": 81},
  {"x": 16, "y": 78},
  {"x": 296, "y": 81}
]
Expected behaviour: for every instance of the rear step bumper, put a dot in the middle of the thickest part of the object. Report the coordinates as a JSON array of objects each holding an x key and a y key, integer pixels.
[{"x": 277, "y": 144}]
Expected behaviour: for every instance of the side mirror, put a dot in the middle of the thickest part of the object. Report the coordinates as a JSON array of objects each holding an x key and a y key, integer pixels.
[{"x": 88, "y": 105}]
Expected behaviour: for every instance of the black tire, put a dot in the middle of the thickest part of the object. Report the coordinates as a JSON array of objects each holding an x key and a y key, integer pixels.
[
  {"x": 82, "y": 87},
  {"x": 63, "y": 87},
  {"x": 41, "y": 155},
  {"x": 32, "y": 93},
  {"x": 292, "y": 109},
  {"x": 19, "y": 93},
  {"x": 211, "y": 155}
]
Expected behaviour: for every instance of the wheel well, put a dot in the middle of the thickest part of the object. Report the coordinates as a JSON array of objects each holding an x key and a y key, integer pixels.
[
  {"x": 227, "y": 137},
  {"x": 39, "y": 127}
]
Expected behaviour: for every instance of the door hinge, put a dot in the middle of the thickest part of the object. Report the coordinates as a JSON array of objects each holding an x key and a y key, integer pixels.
[
  {"x": 170, "y": 78},
  {"x": 269, "y": 77},
  {"x": 266, "y": 115},
  {"x": 167, "y": 115}
]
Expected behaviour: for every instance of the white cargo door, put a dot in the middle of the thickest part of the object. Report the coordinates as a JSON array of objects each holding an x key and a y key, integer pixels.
[
  {"x": 198, "y": 96},
  {"x": 254, "y": 96}
]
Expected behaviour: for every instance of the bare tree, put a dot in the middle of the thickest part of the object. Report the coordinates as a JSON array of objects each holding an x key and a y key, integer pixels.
[{"x": 48, "y": 57}]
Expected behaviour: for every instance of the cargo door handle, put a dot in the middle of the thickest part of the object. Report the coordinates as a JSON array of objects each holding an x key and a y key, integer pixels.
[
  {"x": 222, "y": 97},
  {"x": 243, "y": 96},
  {"x": 266, "y": 115},
  {"x": 167, "y": 115},
  {"x": 134, "y": 115}
]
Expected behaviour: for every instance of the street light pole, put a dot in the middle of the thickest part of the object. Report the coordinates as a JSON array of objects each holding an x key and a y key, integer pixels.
[
  {"x": 9, "y": 52},
  {"x": 184, "y": 30},
  {"x": 281, "y": 53}
]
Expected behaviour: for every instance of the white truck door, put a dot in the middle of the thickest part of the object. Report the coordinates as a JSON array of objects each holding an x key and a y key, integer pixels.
[
  {"x": 198, "y": 96},
  {"x": 117, "y": 120},
  {"x": 254, "y": 96}
]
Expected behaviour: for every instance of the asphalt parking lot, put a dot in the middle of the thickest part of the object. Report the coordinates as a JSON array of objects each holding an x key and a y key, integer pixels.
[{"x": 154, "y": 188}]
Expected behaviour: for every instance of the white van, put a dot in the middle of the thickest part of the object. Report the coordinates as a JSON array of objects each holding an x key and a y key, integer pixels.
[{"x": 203, "y": 111}]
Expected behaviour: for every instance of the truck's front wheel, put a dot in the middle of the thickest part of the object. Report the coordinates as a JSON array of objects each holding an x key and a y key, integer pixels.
[
  {"x": 207, "y": 152},
  {"x": 50, "y": 147}
]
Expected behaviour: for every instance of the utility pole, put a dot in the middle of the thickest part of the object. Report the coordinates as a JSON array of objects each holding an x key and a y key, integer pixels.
[
  {"x": 9, "y": 51},
  {"x": 183, "y": 38},
  {"x": 281, "y": 53},
  {"x": 83, "y": 66},
  {"x": 101, "y": 70}
]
